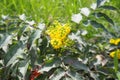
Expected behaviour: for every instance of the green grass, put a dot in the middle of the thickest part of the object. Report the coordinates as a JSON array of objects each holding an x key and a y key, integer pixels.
[
  {"x": 43, "y": 9},
  {"x": 47, "y": 10}
]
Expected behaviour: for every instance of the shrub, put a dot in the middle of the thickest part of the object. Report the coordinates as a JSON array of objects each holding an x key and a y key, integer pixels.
[{"x": 61, "y": 51}]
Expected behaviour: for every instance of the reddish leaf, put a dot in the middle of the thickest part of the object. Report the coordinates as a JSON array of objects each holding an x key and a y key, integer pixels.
[{"x": 34, "y": 74}]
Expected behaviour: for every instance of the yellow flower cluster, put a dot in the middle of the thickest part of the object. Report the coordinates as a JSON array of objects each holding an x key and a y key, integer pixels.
[
  {"x": 115, "y": 41},
  {"x": 117, "y": 52},
  {"x": 58, "y": 34}
]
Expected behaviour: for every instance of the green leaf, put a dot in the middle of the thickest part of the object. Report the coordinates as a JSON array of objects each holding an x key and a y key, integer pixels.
[
  {"x": 67, "y": 78},
  {"x": 74, "y": 75},
  {"x": 86, "y": 22},
  {"x": 106, "y": 70},
  {"x": 13, "y": 53},
  {"x": 43, "y": 45},
  {"x": 14, "y": 70},
  {"x": 50, "y": 64},
  {"x": 34, "y": 57},
  {"x": 23, "y": 67},
  {"x": 93, "y": 75},
  {"x": 2, "y": 31},
  {"x": 2, "y": 25},
  {"x": 116, "y": 61},
  {"x": 98, "y": 25},
  {"x": 5, "y": 40},
  {"x": 100, "y": 2},
  {"x": 21, "y": 31},
  {"x": 108, "y": 7},
  {"x": 13, "y": 29},
  {"x": 75, "y": 63},
  {"x": 118, "y": 75},
  {"x": 8, "y": 30},
  {"x": 58, "y": 74},
  {"x": 105, "y": 16},
  {"x": 1, "y": 64},
  {"x": 35, "y": 35}
]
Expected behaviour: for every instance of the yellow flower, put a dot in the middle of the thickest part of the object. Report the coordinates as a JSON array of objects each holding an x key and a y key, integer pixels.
[
  {"x": 112, "y": 54},
  {"x": 115, "y": 41},
  {"x": 58, "y": 33},
  {"x": 56, "y": 43},
  {"x": 112, "y": 41}
]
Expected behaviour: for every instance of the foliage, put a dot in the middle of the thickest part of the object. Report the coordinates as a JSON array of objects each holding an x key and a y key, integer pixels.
[{"x": 31, "y": 50}]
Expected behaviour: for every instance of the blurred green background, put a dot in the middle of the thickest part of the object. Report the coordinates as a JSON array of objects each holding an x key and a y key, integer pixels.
[{"x": 46, "y": 10}]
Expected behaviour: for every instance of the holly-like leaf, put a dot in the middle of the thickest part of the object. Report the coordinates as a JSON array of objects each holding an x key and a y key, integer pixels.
[
  {"x": 21, "y": 31},
  {"x": 58, "y": 74},
  {"x": 13, "y": 53},
  {"x": 5, "y": 40},
  {"x": 105, "y": 16},
  {"x": 98, "y": 25},
  {"x": 50, "y": 64},
  {"x": 108, "y": 7},
  {"x": 33, "y": 56},
  {"x": 75, "y": 63},
  {"x": 100, "y": 2},
  {"x": 35, "y": 35},
  {"x": 74, "y": 75},
  {"x": 23, "y": 67}
]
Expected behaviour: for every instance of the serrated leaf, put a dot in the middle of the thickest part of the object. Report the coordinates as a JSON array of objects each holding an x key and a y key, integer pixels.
[
  {"x": 75, "y": 63},
  {"x": 23, "y": 67},
  {"x": 98, "y": 25},
  {"x": 74, "y": 75},
  {"x": 108, "y": 7},
  {"x": 49, "y": 65},
  {"x": 35, "y": 35},
  {"x": 13, "y": 53},
  {"x": 33, "y": 56},
  {"x": 43, "y": 44},
  {"x": 5, "y": 40},
  {"x": 20, "y": 32},
  {"x": 100, "y": 2},
  {"x": 14, "y": 69},
  {"x": 58, "y": 74},
  {"x": 105, "y": 16}
]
